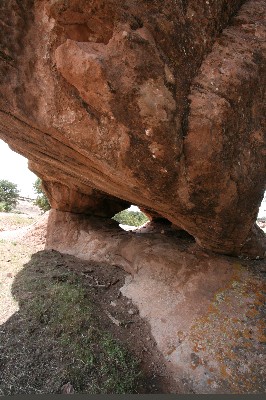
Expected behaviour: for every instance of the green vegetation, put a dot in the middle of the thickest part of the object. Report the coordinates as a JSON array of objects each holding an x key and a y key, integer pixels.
[
  {"x": 41, "y": 199},
  {"x": 58, "y": 337},
  {"x": 94, "y": 362},
  {"x": 132, "y": 218},
  {"x": 9, "y": 194}
]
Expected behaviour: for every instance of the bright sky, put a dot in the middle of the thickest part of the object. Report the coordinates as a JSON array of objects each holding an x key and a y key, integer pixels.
[{"x": 14, "y": 168}]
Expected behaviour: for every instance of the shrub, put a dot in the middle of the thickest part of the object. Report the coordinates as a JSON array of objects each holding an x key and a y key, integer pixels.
[
  {"x": 41, "y": 200},
  {"x": 9, "y": 194},
  {"x": 132, "y": 218}
]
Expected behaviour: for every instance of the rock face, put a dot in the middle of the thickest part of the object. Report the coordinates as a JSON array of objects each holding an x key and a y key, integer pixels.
[
  {"x": 155, "y": 103},
  {"x": 209, "y": 327}
]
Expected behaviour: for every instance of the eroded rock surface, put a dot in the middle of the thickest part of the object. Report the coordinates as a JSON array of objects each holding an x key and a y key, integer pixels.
[
  {"x": 157, "y": 103},
  {"x": 209, "y": 326}
]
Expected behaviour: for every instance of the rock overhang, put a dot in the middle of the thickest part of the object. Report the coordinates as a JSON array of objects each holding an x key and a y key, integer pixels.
[{"x": 152, "y": 105}]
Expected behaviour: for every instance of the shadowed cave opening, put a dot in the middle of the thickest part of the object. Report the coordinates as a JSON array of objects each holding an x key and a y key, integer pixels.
[{"x": 133, "y": 219}]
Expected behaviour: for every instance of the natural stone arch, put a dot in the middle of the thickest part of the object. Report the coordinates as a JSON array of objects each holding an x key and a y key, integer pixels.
[{"x": 156, "y": 103}]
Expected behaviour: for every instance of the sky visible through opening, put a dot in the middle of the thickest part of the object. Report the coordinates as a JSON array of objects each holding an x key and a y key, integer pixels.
[{"x": 14, "y": 168}]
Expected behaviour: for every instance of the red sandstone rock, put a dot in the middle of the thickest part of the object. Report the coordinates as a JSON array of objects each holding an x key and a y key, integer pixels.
[
  {"x": 157, "y": 103},
  {"x": 206, "y": 311}
]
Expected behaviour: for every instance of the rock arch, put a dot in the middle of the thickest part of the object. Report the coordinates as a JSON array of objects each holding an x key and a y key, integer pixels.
[{"x": 159, "y": 104}]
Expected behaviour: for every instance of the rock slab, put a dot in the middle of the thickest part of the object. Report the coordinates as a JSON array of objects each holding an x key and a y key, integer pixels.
[{"x": 206, "y": 311}]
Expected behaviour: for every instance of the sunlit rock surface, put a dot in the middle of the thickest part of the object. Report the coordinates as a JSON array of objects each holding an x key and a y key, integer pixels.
[
  {"x": 206, "y": 311},
  {"x": 158, "y": 104}
]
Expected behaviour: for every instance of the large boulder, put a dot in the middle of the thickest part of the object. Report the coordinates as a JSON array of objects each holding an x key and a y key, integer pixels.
[
  {"x": 155, "y": 103},
  {"x": 206, "y": 311}
]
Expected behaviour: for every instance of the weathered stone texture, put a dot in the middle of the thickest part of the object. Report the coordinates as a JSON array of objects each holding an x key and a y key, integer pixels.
[
  {"x": 206, "y": 311},
  {"x": 156, "y": 103}
]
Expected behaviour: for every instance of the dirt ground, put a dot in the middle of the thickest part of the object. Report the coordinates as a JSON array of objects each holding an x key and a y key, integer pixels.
[{"x": 65, "y": 326}]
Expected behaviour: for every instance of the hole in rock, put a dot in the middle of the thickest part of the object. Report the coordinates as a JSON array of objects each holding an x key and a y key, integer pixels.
[{"x": 131, "y": 218}]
